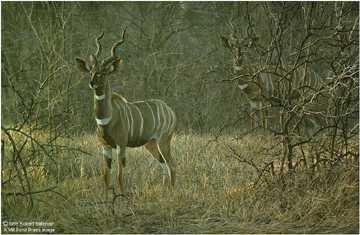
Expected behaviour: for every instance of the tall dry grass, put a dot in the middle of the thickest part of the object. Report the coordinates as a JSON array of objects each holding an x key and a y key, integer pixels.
[{"x": 214, "y": 193}]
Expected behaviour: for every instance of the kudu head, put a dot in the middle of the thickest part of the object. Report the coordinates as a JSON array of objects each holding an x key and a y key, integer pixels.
[{"x": 99, "y": 70}]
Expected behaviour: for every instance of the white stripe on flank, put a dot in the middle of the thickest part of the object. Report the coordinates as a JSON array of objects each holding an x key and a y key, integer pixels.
[
  {"x": 158, "y": 114},
  {"x": 141, "y": 121},
  {"x": 121, "y": 111},
  {"x": 173, "y": 121},
  {"x": 152, "y": 114},
  {"x": 132, "y": 120},
  {"x": 126, "y": 115},
  {"x": 170, "y": 118},
  {"x": 164, "y": 118},
  {"x": 99, "y": 97},
  {"x": 103, "y": 121}
]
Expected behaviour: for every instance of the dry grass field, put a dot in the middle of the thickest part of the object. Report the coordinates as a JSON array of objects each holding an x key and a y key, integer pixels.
[
  {"x": 214, "y": 193},
  {"x": 261, "y": 98}
]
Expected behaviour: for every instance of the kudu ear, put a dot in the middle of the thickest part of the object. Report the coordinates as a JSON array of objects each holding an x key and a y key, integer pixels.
[
  {"x": 93, "y": 60},
  {"x": 114, "y": 65},
  {"x": 82, "y": 65}
]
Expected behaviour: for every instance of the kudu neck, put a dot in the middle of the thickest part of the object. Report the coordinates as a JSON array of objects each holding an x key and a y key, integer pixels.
[{"x": 102, "y": 99}]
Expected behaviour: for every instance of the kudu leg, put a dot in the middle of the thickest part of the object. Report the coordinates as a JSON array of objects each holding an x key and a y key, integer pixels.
[
  {"x": 165, "y": 149},
  {"x": 107, "y": 156},
  {"x": 120, "y": 152},
  {"x": 161, "y": 151}
]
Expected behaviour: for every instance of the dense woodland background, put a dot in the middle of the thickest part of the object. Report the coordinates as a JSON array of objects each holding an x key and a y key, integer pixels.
[
  {"x": 173, "y": 51},
  {"x": 287, "y": 71}
]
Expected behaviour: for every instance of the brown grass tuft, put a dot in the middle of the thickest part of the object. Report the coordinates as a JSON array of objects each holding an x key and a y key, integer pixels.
[{"x": 213, "y": 194}]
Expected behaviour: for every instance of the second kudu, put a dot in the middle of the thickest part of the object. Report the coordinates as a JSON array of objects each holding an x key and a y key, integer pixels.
[{"x": 122, "y": 124}]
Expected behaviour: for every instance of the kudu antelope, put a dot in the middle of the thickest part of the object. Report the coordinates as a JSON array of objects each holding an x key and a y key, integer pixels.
[
  {"x": 122, "y": 124},
  {"x": 265, "y": 86}
]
